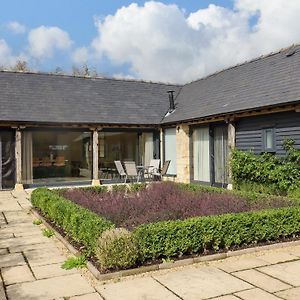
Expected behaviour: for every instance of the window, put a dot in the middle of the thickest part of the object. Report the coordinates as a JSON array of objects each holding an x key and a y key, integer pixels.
[
  {"x": 269, "y": 140},
  {"x": 170, "y": 149}
]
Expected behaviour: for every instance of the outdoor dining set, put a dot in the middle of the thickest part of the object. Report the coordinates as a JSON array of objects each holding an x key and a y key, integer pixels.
[{"x": 128, "y": 170}]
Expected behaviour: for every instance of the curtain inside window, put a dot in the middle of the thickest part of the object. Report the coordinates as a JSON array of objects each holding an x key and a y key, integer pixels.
[
  {"x": 148, "y": 148},
  {"x": 220, "y": 154},
  {"x": 27, "y": 173},
  {"x": 170, "y": 149},
  {"x": 201, "y": 154}
]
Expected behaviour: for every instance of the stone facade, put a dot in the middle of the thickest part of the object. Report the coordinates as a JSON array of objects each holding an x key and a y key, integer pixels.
[{"x": 183, "y": 153}]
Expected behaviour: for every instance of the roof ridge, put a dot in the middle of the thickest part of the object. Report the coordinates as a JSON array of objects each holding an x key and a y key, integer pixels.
[
  {"x": 246, "y": 62},
  {"x": 90, "y": 77}
]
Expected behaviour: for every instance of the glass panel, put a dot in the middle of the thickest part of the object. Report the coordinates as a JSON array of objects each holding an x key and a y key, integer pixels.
[
  {"x": 53, "y": 157},
  {"x": 113, "y": 146},
  {"x": 170, "y": 149},
  {"x": 7, "y": 159},
  {"x": 220, "y": 154},
  {"x": 269, "y": 139},
  {"x": 201, "y": 154}
]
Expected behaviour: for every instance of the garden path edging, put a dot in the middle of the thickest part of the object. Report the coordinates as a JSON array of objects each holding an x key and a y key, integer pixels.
[{"x": 162, "y": 266}]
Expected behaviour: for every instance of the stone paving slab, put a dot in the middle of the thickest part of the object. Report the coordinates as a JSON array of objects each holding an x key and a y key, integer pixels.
[
  {"x": 276, "y": 257},
  {"x": 291, "y": 294},
  {"x": 44, "y": 257},
  {"x": 16, "y": 274},
  {"x": 13, "y": 242},
  {"x": 9, "y": 205},
  {"x": 288, "y": 272},
  {"x": 48, "y": 289},
  {"x": 261, "y": 280},
  {"x": 21, "y": 248},
  {"x": 48, "y": 271},
  {"x": 201, "y": 283},
  {"x": 2, "y": 292},
  {"x": 11, "y": 260},
  {"x": 139, "y": 289},
  {"x": 234, "y": 264},
  {"x": 228, "y": 297},
  {"x": 3, "y": 251},
  {"x": 93, "y": 296},
  {"x": 256, "y": 294}
]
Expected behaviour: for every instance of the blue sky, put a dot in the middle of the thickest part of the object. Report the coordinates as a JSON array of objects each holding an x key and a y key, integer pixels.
[{"x": 120, "y": 46}]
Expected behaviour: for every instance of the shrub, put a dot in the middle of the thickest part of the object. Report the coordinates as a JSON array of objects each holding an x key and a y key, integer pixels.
[
  {"x": 168, "y": 201},
  {"x": 169, "y": 239},
  {"x": 294, "y": 191},
  {"x": 81, "y": 224},
  {"x": 117, "y": 249},
  {"x": 266, "y": 172}
]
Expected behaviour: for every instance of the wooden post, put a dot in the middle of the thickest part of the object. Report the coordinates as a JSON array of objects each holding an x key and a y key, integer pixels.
[
  {"x": 96, "y": 181},
  {"x": 18, "y": 155},
  {"x": 231, "y": 145}
]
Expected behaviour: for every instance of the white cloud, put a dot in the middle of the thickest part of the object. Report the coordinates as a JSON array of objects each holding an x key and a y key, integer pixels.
[
  {"x": 43, "y": 41},
  {"x": 16, "y": 27},
  {"x": 161, "y": 42},
  {"x": 7, "y": 59},
  {"x": 80, "y": 55}
]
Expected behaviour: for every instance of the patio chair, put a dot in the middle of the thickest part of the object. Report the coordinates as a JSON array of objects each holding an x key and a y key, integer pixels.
[
  {"x": 121, "y": 170},
  {"x": 153, "y": 167},
  {"x": 131, "y": 170},
  {"x": 163, "y": 172}
]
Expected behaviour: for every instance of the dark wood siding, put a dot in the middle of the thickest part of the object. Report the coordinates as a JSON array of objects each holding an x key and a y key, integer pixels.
[{"x": 249, "y": 131}]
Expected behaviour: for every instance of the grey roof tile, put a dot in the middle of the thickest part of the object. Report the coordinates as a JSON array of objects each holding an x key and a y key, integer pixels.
[
  {"x": 30, "y": 97},
  {"x": 266, "y": 81}
]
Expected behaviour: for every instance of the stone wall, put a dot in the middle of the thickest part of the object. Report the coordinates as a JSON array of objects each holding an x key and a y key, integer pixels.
[{"x": 183, "y": 153}]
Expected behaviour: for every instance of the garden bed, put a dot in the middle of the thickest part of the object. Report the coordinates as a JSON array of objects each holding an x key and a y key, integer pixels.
[{"x": 167, "y": 221}]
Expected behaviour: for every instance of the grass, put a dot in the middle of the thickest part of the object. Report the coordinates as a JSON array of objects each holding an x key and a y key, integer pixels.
[
  {"x": 37, "y": 222},
  {"x": 74, "y": 262},
  {"x": 48, "y": 232}
]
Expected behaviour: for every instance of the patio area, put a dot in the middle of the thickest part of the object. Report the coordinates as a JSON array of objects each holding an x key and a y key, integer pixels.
[{"x": 30, "y": 269}]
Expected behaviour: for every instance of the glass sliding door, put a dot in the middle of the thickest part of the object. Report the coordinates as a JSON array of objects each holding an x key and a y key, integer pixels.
[
  {"x": 7, "y": 159},
  {"x": 52, "y": 156},
  {"x": 220, "y": 155},
  {"x": 201, "y": 154},
  {"x": 170, "y": 149},
  {"x": 124, "y": 146}
]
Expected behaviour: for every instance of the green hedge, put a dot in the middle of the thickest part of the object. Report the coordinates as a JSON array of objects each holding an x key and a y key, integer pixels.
[
  {"x": 248, "y": 195},
  {"x": 196, "y": 235},
  {"x": 81, "y": 224}
]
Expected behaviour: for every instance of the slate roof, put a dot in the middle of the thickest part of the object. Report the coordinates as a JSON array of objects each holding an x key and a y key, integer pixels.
[
  {"x": 34, "y": 97},
  {"x": 267, "y": 81}
]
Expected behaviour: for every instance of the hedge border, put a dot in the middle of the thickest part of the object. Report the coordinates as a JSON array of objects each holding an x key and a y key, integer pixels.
[
  {"x": 166, "y": 265},
  {"x": 82, "y": 225},
  {"x": 194, "y": 236}
]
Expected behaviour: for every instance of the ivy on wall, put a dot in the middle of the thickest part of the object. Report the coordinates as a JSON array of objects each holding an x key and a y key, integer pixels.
[{"x": 267, "y": 173}]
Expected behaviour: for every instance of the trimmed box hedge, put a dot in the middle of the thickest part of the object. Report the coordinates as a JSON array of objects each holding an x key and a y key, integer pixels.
[
  {"x": 169, "y": 239},
  {"x": 173, "y": 239},
  {"x": 81, "y": 224}
]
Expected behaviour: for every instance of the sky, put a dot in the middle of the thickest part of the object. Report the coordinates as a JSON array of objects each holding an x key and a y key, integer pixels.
[{"x": 172, "y": 41}]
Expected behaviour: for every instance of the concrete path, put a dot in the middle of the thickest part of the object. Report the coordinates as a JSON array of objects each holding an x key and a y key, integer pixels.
[{"x": 30, "y": 269}]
